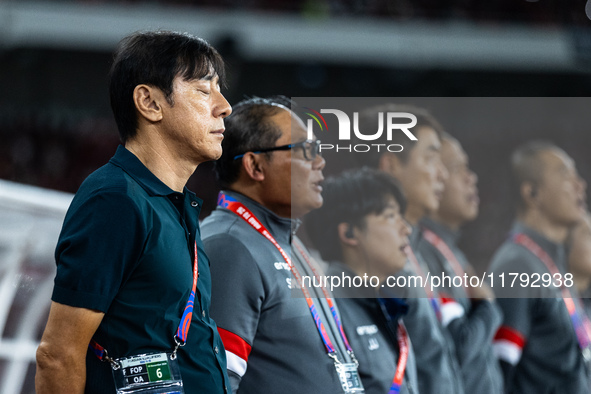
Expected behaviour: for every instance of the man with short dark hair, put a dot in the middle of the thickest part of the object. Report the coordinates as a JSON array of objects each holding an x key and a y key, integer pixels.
[
  {"x": 421, "y": 174},
  {"x": 132, "y": 277},
  {"x": 276, "y": 341},
  {"x": 539, "y": 348},
  {"x": 473, "y": 317},
  {"x": 361, "y": 231}
]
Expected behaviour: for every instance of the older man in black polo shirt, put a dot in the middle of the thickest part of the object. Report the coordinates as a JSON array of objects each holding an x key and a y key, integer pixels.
[{"x": 131, "y": 269}]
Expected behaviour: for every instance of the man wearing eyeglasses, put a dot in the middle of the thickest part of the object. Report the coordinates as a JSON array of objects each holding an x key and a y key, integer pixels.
[{"x": 275, "y": 342}]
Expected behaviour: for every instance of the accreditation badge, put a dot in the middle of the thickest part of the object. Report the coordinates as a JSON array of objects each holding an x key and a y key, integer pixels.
[
  {"x": 349, "y": 377},
  {"x": 153, "y": 373}
]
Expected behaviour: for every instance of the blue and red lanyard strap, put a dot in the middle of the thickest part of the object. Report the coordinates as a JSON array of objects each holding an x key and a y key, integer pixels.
[
  {"x": 180, "y": 337},
  {"x": 581, "y": 323},
  {"x": 403, "y": 348},
  {"x": 185, "y": 323},
  {"x": 327, "y": 296},
  {"x": 243, "y": 212},
  {"x": 433, "y": 299}
]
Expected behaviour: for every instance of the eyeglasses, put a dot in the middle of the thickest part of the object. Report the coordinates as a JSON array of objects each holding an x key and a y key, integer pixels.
[{"x": 311, "y": 149}]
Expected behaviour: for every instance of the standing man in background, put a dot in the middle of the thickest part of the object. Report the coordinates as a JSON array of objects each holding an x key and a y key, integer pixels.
[
  {"x": 421, "y": 174},
  {"x": 538, "y": 346},
  {"x": 474, "y": 318},
  {"x": 276, "y": 340},
  {"x": 131, "y": 269}
]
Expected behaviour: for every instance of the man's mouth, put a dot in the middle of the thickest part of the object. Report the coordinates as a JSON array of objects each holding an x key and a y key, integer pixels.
[{"x": 317, "y": 185}]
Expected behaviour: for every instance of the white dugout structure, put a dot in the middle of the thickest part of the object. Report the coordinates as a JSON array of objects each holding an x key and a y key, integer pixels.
[{"x": 30, "y": 222}]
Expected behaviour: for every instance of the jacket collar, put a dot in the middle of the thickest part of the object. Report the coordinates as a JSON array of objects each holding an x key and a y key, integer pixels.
[
  {"x": 281, "y": 228},
  {"x": 415, "y": 237},
  {"x": 448, "y": 235},
  {"x": 554, "y": 250}
]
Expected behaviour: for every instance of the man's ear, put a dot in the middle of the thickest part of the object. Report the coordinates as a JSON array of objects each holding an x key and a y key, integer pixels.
[
  {"x": 148, "y": 102},
  {"x": 528, "y": 193},
  {"x": 390, "y": 163},
  {"x": 254, "y": 166},
  {"x": 347, "y": 234}
]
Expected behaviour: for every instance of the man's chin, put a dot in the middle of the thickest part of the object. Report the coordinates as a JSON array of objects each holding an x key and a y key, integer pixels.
[
  {"x": 432, "y": 207},
  {"x": 472, "y": 215},
  {"x": 304, "y": 209},
  {"x": 218, "y": 152},
  {"x": 572, "y": 220},
  {"x": 319, "y": 201},
  {"x": 397, "y": 267},
  {"x": 214, "y": 154}
]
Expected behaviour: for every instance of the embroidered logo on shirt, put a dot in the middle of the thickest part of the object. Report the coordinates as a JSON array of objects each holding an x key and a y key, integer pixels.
[
  {"x": 281, "y": 265},
  {"x": 367, "y": 330},
  {"x": 373, "y": 344}
]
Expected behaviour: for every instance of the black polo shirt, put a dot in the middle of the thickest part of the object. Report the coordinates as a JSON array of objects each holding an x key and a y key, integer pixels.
[{"x": 126, "y": 249}]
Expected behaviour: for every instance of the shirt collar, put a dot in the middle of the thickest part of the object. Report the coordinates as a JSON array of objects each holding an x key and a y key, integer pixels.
[
  {"x": 129, "y": 163},
  {"x": 281, "y": 228},
  {"x": 448, "y": 235},
  {"x": 394, "y": 308}
]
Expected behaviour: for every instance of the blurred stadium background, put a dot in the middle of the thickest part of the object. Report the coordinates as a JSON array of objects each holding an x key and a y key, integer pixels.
[{"x": 56, "y": 126}]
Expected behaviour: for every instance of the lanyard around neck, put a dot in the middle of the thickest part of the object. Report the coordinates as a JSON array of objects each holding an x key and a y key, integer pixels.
[
  {"x": 244, "y": 213},
  {"x": 300, "y": 248},
  {"x": 180, "y": 338},
  {"x": 433, "y": 299},
  {"x": 403, "y": 348},
  {"x": 445, "y": 250},
  {"x": 580, "y": 322},
  {"x": 183, "y": 330}
]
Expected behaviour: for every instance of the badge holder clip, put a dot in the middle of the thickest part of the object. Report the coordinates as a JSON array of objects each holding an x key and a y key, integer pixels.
[{"x": 348, "y": 375}]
